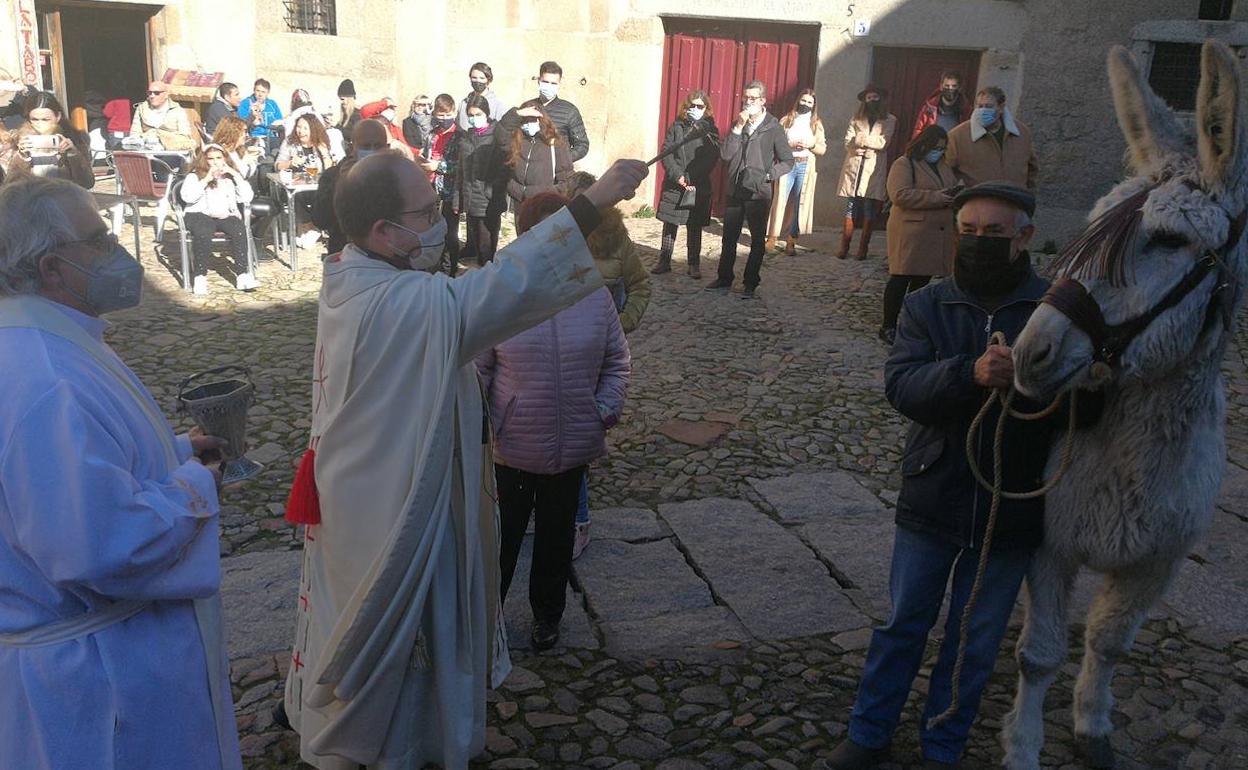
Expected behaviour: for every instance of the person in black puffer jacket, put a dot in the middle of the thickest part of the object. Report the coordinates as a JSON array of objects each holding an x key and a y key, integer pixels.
[
  {"x": 481, "y": 179},
  {"x": 941, "y": 369},
  {"x": 537, "y": 155},
  {"x": 688, "y": 167}
]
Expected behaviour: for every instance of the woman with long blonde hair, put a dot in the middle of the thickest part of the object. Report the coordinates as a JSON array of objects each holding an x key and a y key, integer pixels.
[
  {"x": 215, "y": 193},
  {"x": 793, "y": 203}
]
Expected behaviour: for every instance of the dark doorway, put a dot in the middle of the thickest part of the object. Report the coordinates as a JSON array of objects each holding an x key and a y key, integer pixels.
[
  {"x": 720, "y": 56},
  {"x": 910, "y": 75},
  {"x": 100, "y": 50}
]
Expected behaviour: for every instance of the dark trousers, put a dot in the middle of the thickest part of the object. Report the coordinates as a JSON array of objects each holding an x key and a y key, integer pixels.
[
  {"x": 693, "y": 242},
  {"x": 450, "y": 253},
  {"x": 895, "y": 292},
  {"x": 481, "y": 239},
  {"x": 552, "y": 500},
  {"x": 737, "y": 213},
  {"x": 203, "y": 227}
]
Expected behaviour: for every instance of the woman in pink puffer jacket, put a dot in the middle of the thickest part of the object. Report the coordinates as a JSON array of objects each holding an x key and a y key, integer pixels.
[{"x": 553, "y": 391}]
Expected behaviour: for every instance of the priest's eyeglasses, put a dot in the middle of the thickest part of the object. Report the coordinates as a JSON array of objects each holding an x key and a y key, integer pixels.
[{"x": 428, "y": 215}]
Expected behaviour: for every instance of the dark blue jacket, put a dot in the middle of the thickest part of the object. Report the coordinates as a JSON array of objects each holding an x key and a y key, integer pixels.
[{"x": 929, "y": 378}]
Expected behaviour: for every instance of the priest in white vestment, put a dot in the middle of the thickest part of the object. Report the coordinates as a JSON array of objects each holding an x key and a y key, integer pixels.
[
  {"x": 398, "y": 632},
  {"x": 111, "y": 650}
]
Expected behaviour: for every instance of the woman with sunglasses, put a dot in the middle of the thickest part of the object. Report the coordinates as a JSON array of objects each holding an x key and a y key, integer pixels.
[{"x": 686, "y": 195}]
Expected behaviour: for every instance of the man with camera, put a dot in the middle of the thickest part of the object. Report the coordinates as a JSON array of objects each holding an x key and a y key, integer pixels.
[{"x": 757, "y": 153}]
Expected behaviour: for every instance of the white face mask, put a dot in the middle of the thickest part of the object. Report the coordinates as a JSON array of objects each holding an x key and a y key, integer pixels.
[
  {"x": 429, "y": 252},
  {"x": 388, "y": 114},
  {"x": 695, "y": 113},
  {"x": 531, "y": 129},
  {"x": 478, "y": 121},
  {"x": 548, "y": 91}
]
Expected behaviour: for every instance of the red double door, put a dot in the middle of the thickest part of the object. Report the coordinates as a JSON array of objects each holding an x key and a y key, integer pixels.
[
  {"x": 720, "y": 57},
  {"x": 911, "y": 75}
]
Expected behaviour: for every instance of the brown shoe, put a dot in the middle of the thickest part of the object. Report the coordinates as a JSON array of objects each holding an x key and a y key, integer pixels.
[
  {"x": 790, "y": 246},
  {"x": 770, "y": 244},
  {"x": 695, "y": 272},
  {"x": 664, "y": 266}
]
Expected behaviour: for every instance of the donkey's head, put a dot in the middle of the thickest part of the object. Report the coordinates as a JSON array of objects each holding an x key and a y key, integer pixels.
[{"x": 1156, "y": 275}]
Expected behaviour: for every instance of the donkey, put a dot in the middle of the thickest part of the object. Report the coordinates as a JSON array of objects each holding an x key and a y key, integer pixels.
[{"x": 1143, "y": 308}]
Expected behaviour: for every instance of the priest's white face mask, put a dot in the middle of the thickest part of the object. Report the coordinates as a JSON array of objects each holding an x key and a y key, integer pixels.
[{"x": 427, "y": 252}]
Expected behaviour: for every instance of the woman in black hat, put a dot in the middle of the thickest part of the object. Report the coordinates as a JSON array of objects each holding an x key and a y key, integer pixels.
[{"x": 865, "y": 170}]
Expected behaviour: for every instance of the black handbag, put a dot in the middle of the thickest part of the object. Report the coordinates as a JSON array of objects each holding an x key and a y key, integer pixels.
[{"x": 688, "y": 198}]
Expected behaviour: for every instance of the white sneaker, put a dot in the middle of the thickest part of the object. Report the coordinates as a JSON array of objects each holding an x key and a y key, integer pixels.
[
  {"x": 582, "y": 540},
  {"x": 309, "y": 239},
  {"x": 246, "y": 282},
  {"x": 199, "y": 287}
]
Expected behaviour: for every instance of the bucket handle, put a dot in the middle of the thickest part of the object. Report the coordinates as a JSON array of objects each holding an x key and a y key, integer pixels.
[{"x": 227, "y": 369}]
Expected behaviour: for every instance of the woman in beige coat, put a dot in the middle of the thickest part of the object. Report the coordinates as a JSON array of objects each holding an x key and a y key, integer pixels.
[
  {"x": 863, "y": 172},
  {"x": 920, "y": 229},
  {"x": 793, "y": 195}
]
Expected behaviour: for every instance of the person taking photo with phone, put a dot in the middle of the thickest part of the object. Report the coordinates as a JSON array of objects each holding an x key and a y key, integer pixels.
[{"x": 47, "y": 145}]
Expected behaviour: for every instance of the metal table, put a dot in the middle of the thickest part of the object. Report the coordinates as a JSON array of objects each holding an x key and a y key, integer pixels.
[
  {"x": 288, "y": 192},
  {"x": 115, "y": 203}
]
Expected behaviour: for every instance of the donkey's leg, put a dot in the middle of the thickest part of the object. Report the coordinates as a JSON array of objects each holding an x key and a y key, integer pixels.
[
  {"x": 1041, "y": 650},
  {"x": 1113, "y": 620}
]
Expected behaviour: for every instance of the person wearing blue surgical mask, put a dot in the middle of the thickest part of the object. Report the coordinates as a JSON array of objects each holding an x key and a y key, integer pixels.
[
  {"x": 109, "y": 516},
  {"x": 481, "y": 180},
  {"x": 538, "y": 159},
  {"x": 562, "y": 113},
  {"x": 685, "y": 198},
  {"x": 920, "y": 230},
  {"x": 993, "y": 145}
]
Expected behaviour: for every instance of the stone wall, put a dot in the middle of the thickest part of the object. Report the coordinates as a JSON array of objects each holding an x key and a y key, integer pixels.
[{"x": 1067, "y": 102}]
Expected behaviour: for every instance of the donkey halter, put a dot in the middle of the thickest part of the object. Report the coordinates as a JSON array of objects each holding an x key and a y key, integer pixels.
[{"x": 1070, "y": 298}]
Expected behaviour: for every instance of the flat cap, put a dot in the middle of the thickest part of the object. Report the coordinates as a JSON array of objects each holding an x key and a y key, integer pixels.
[{"x": 1004, "y": 191}]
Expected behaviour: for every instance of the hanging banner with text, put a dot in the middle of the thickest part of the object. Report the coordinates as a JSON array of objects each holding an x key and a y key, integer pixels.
[{"x": 28, "y": 43}]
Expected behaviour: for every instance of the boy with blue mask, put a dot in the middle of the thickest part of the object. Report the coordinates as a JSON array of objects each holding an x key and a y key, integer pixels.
[
  {"x": 563, "y": 113},
  {"x": 993, "y": 145}
]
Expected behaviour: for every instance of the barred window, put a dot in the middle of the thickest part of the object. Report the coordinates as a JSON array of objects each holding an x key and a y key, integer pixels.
[
  {"x": 1175, "y": 74},
  {"x": 316, "y": 17}
]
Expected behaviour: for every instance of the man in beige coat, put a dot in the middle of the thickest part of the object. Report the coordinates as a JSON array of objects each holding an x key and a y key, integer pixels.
[
  {"x": 992, "y": 145},
  {"x": 163, "y": 119},
  {"x": 865, "y": 170}
]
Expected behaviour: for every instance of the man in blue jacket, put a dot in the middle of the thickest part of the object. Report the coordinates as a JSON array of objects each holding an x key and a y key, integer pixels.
[
  {"x": 260, "y": 111},
  {"x": 939, "y": 372}
]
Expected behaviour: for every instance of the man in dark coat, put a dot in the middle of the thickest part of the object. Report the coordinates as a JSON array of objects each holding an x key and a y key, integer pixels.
[
  {"x": 757, "y": 153},
  {"x": 941, "y": 368},
  {"x": 226, "y": 103},
  {"x": 946, "y": 108},
  {"x": 563, "y": 113}
]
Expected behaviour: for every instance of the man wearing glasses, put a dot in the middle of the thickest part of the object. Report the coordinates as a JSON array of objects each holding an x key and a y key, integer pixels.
[
  {"x": 161, "y": 120},
  {"x": 111, "y": 646},
  {"x": 397, "y": 634},
  {"x": 757, "y": 153}
]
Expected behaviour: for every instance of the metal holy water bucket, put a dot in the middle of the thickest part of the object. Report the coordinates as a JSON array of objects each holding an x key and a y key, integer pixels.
[{"x": 218, "y": 399}]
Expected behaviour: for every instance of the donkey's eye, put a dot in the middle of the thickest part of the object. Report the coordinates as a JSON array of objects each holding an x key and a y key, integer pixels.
[{"x": 1168, "y": 240}]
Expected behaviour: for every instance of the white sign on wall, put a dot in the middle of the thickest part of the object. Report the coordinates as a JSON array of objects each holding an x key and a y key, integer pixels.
[
  {"x": 862, "y": 27},
  {"x": 28, "y": 43}
]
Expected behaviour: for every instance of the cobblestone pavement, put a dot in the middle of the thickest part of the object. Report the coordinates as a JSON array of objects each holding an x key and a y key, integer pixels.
[{"x": 742, "y": 532}]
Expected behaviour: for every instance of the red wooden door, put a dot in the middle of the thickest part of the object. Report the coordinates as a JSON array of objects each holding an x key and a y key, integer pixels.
[
  {"x": 720, "y": 56},
  {"x": 910, "y": 75}
]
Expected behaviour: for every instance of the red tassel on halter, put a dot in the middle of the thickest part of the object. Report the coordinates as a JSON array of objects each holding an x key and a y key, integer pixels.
[{"x": 304, "y": 504}]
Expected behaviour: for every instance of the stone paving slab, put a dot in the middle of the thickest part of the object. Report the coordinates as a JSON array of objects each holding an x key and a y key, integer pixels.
[
  {"x": 806, "y": 497},
  {"x": 763, "y": 572},
  {"x": 258, "y": 596},
  {"x": 628, "y": 524},
  {"x": 575, "y": 630}
]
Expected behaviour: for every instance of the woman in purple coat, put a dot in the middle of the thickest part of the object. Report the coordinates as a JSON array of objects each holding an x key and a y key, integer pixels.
[{"x": 553, "y": 391}]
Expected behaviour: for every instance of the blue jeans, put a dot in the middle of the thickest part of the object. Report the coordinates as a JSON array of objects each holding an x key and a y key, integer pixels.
[
  {"x": 582, "y": 503},
  {"x": 920, "y": 572},
  {"x": 791, "y": 192}
]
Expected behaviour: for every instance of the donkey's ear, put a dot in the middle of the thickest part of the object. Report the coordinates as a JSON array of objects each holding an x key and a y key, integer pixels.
[
  {"x": 1152, "y": 132},
  {"x": 1219, "y": 123}
]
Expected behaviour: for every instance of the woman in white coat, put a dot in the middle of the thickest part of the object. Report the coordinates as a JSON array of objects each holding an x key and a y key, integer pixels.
[{"x": 865, "y": 170}]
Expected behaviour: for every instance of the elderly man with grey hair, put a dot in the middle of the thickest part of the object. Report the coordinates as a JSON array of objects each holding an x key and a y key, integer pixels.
[{"x": 111, "y": 646}]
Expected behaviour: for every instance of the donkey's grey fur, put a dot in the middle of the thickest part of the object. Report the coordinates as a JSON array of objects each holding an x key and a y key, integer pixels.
[{"x": 1140, "y": 490}]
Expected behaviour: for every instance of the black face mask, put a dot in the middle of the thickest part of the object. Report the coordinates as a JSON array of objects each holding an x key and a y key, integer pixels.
[
  {"x": 950, "y": 94},
  {"x": 875, "y": 109},
  {"x": 982, "y": 267},
  {"x": 802, "y": 109},
  {"x": 479, "y": 86}
]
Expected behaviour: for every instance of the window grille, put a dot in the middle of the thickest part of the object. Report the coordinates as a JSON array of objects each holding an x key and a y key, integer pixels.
[
  {"x": 315, "y": 17},
  {"x": 1215, "y": 10},
  {"x": 1175, "y": 74}
]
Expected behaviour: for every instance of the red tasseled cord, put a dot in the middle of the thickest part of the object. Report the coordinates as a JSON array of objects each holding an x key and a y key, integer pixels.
[{"x": 304, "y": 504}]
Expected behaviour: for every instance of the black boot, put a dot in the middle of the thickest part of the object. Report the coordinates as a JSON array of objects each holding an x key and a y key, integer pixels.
[{"x": 852, "y": 756}]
